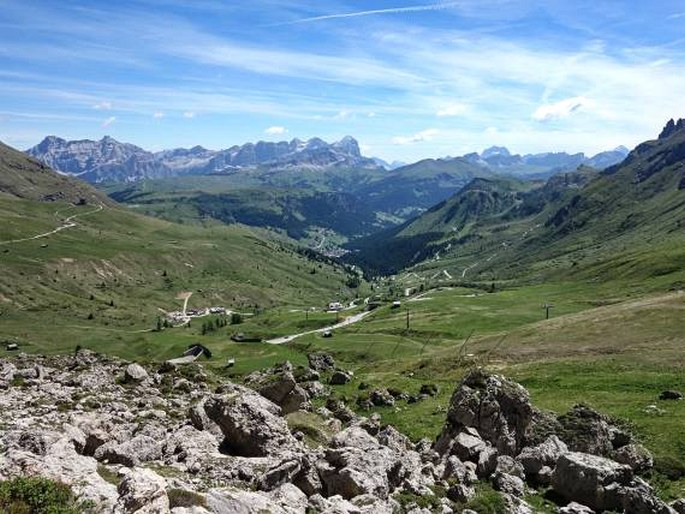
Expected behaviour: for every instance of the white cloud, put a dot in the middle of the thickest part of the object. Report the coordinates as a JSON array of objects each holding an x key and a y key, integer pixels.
[
  {"x": 276, "y": 130},
  {"x": 454, "y": 109},
  {"x": 103, "y": 106},
  {"x": 561, "y": 109},
  {"x": 158, "y": 115},
  {"x": 109, "y": 121},
  {"x": 189, "y": 114},
  {"x": 343, "y": 115},
  {"x": 424, "y": 135}
]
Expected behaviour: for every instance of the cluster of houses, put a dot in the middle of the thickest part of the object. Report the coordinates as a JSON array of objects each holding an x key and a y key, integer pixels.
[{"x": 179, "y": 317}]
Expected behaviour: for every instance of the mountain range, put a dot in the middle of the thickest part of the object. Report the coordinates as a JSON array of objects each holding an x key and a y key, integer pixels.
[
  {"x": 109, "y": 160},
  {"x": 498, "y": 226}
]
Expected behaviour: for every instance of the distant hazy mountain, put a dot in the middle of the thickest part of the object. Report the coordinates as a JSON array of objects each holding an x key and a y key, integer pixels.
[
  {"x": 109, "y": 160},
  {"x": 503, "y": 224},
  {"x": 541, "y": 165}
]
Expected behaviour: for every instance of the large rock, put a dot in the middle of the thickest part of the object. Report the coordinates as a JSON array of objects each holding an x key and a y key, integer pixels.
[
  {"x": 277, "y": 386},
  {"x": 357, "y": 463},
  {"x": 250, "y": 423},
  {"x": 636, "y": 456},
  {"x": 142, "y": 491},
  {"x": 237, "y": 501},
  {"x": 498, "y": 408},
  {"x": 534, "y": 458},
  {"x": 509, "y": 484},
  {"x": 59, "y": 461},
  {"x": 381, "y": 398},
  {"x": 340, "y": 377},
  {"x": 198, "y": 417},
  {"x": 135, "y": 373},
  {"x": 296, "y": 399},
  {"x": 321, "y": 361},
  {"x": 587, "y": 431},
  {"x": 141, "y": 448},
  {"x": 7, "y": 372},
  {"x": 590, "y": 480}
]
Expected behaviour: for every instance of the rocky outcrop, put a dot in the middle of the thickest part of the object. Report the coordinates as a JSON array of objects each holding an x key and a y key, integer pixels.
[
  {"x": 187, "y": 450},
  {"x": 492, "y": 427},
  {"x": 280, "y": 386},
  {"x": 498, "y": 409},
  {"x": 251, "y": 424},
  {"x": 321, "y": 361},
  {"x": 135, "y": 373},
  {"x": 143, "y": 491}
]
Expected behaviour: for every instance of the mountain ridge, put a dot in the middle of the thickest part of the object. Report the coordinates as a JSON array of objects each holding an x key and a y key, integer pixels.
[{"x": 109, "y": 160}]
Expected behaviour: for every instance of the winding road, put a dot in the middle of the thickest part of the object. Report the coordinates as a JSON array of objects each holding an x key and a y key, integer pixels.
[
  {"x": 66, "y": 223},
  {"x": 347, "y": 321}
]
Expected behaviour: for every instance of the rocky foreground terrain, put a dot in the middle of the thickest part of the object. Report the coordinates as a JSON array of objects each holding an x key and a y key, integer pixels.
[{"x": 131, "y": 439}]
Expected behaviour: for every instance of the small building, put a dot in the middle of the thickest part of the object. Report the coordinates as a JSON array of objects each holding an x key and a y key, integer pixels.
[
  {"x": 396, "y": 304},
  {"x": 335, "y": 306}
]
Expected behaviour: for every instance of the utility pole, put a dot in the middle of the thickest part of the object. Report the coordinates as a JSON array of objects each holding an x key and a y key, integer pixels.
[{"x": 547, "y": 307}]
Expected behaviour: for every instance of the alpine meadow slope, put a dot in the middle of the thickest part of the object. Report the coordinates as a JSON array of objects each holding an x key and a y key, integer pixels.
[
  {"x": 80, "y": 269},
  {"x": 624, "y": 221}
]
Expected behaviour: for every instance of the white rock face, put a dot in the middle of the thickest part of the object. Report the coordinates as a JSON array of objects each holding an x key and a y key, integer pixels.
[{"x": 142, "y": 491}]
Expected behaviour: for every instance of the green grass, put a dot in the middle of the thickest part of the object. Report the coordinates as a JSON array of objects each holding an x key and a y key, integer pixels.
[
  {"x": 24, "y": 495},
  {"x": 105, "y": 281}
]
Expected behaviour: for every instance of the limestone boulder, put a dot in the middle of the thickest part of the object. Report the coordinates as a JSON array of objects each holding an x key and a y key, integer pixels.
[
  {"x": 590, "y": 480},
  {"x": 340, "y": 377},
  {"x": 7, "y": 373},
  {"x": 135, "y": 373},
  {"x": 636, "y": 456},
  {"x": 142, "y": 491},
  {"x": 251, "y": 424},
  {"x": 546, "y": 454},
  {"x": 497, "y": 408},
  {"x": 141, "y": 448},
  {"x": 321, "y": 361}
]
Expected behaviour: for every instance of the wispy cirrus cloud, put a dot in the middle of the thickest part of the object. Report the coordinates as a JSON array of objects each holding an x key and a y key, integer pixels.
[
  {"x": 108, "y": 121},
  {"x": 454, "y": 109},
  {"x": 424, "y": 135},
  {"x": 103, "y": 106},
  {"x": 436, "y": 6},
  {"x": 561, "y": 109}
]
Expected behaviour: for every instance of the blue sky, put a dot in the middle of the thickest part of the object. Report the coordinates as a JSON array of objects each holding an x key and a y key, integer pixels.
[{"x": 408, "y": 79}]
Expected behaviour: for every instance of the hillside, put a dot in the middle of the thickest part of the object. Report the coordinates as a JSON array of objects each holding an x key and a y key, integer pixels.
[
  {"x": 627, "y": 219},
  {"x": 26, "y": 178},
  {"x": 348, "y": 202},
  {"x": 93, "y": 270}
]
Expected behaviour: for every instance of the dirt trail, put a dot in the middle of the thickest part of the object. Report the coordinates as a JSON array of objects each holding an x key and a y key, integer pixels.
[{"x": 66, "y": 223}]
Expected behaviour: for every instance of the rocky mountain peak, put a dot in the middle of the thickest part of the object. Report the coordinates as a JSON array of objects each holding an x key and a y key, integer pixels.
[
  {"x": 495, "y": 151},
  {"x": 672, "y": 127},
  {"x": 349, "y": 145}
]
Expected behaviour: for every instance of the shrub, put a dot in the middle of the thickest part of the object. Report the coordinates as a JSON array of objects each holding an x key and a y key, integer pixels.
[
  {"x": 25, "y": 495},
  {"x": 183, "y": 498}
]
